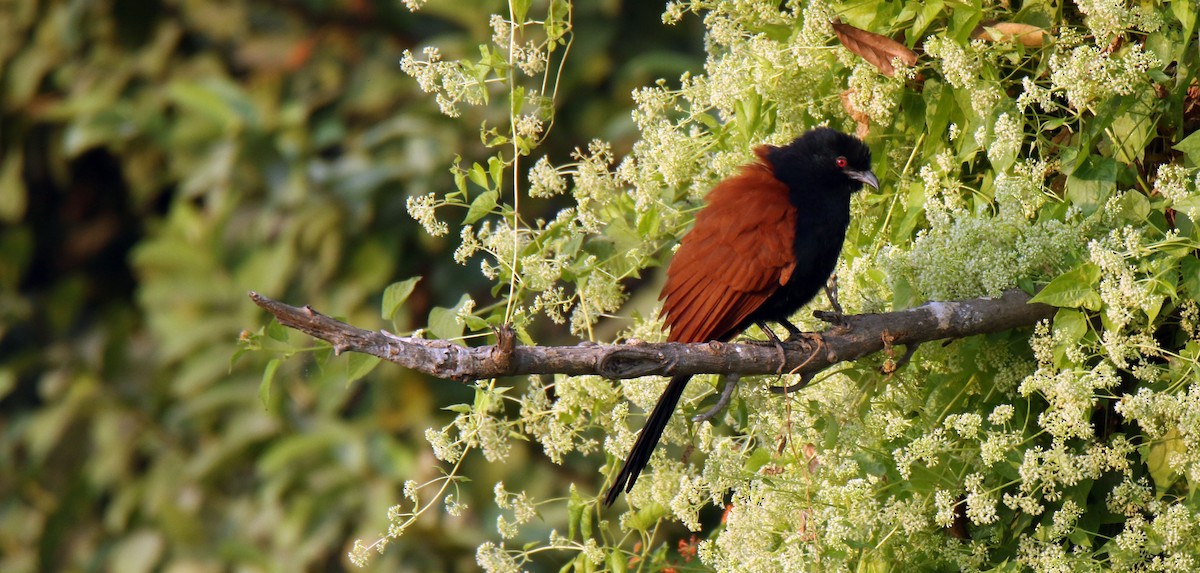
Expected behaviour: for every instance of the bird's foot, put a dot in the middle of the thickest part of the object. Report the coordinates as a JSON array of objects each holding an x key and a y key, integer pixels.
[
  {"x": 890, "y": 366},
  {"x": 837, "y": 316},
  {"x": 778, "y": 344},
  {"x": 804, "y": 380},
  {"x": 731, "y": 382},
  {"x": 832, "y": 318},
  {"x": 831, "y": 291},
  {"x": 813, "y": 337}
]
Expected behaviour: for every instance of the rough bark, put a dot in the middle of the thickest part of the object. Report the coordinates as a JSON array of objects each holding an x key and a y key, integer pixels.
[{"x": 856, "y": 336}]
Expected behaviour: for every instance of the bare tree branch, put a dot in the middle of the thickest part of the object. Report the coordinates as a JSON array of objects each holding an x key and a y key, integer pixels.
[{"x": 857, "y": 336}]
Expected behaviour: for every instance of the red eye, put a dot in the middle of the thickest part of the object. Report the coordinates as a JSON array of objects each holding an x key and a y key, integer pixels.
[{"x": 841, "y": 162}]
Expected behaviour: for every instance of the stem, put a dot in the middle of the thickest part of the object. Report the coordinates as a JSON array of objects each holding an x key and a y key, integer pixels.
[{"x": 513, "y": 109}]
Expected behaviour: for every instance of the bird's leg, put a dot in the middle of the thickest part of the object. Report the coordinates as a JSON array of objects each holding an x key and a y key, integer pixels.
[
  {"x": 762, "y": 324},
  {"x": 831, "y": 291},
  {"x": 731, "y": 382},
  {"x": 838, "y": 316},
  {"x": 791, "y": 328}
]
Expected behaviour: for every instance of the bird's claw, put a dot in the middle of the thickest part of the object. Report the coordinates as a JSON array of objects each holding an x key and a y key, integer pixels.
[
  {"x": 837, "y": 316},
  {"x": 731, "y": 381},
  {"x": 804, "y": 380},
  {"x": 777, "y": 343},
  {"x": 834, "y": 318}
]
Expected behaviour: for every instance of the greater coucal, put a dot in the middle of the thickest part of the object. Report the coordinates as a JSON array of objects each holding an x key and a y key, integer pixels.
[{"x": 763, "y": 246}]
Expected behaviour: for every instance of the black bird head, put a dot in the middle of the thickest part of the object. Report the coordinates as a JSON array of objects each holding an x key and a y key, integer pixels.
[{"x": 824, "y": 159}]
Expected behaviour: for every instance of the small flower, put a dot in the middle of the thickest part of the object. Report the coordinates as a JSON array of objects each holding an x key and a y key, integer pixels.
[
  {"x": 494, "y": 559},
  {"x": 545, "y": 180},
  {"x": 1001, "y": 414},
  {"x": 945, "y": 502},
  {"x": 966, "y": 425},
  {"x": 423, "y": 209}
]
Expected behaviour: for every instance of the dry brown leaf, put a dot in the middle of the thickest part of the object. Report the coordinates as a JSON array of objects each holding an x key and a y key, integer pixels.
[
  {"x": 862, "y": 120},
  {"x": 877, "y": 49},
  {"x": 1028, "y": 35},
  {"x": 1191, "y": 102}
]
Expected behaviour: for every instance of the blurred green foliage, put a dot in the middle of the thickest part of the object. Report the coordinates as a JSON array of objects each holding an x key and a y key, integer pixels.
[
  {"x": 1037, "y": 144},
  {"x": 159, "y": 159}
]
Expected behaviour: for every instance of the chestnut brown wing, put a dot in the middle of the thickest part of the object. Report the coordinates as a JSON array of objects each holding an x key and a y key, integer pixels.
[{"x": 736, "y": 256}]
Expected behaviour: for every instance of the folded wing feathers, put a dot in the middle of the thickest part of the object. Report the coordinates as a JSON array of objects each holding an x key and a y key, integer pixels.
[{"x": 737, "y": 254}]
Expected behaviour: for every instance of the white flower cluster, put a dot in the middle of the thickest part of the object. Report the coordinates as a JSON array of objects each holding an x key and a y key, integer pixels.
[
  {"x": 1008, "y": 133},
  {"x": 1089, "y": 73},
  {"x": 1169, "y": 418},
  {"x": 545, "y": 180},
  {"x": 449, "y": 81},
  {"x": 594, "y": 185},
  {"x": 1071, "y": 398},
  {"x": 963, "y": 68},
  {"x": 874, "y": 93},
  {"x": 554, "y": 423},
  {"x": 1106, "y": 18},
  {"x": 529, "y": 56},
  {"x": 1123, "y": 292},
  {"x": 494, "y": 558},
  {"x": 1176, "y": 183},
  {"x": 522, "y": 508},
  {"x": 423, "y": 208},
  {"x": 1020, "y": 192},
  {"x": 980, "y": 255},
  {"x": 483, "y": 428}
]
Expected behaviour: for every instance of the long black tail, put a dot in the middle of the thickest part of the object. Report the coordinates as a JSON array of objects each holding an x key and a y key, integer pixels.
[{"x": 648, "y": 439}]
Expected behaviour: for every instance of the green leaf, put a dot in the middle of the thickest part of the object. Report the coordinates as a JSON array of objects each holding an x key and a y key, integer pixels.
[
  {"x": 481, "y": 206},
  {"x": 1158, "y": 457},
  {"x": 585, "y": 525},
  {"x": 443, "y": 322},
  {"x": 575, "y": 508},
  {"x": 616, "y": 561},
  {"x": 477, "y": 175},
  {"x": 748, "y": 113},
  {"x": 395, "y": 295},
  {"x": 1189, "y": 204},
  {"x": 1092, "y": 183},
  {"x": 1073, "y": 289},
  {"x": 460, "y": 177},
  {"x": 1135, "y": 207},
  {"x": 496, "y": 172},
  {"x": 1190, "y": 146},
  {"x": 1189, "y": 269},
  {"x": 1070, "y": 325},
  {"x": 930, "y": 12},
  {"x": 8, "y": 382},
  {"x": 757, "y": 459},
  {"x": 1131, "y": 130},
  {"x": 519, "y": 9},
  {"x": 360, "y": 365},
  {"x": 202, "y": 100},
  {"x": 264, "y": 387},
  {"x": 277, "y": 331},
  {"x": 475, "y": 323},
  {"x": 964, "y": 16}
]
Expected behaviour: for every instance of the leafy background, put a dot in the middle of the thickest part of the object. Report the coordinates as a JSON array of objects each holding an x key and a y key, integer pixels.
[
  {"x": 161, "y": 159},
  {"x": 158, "y": 160}
]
